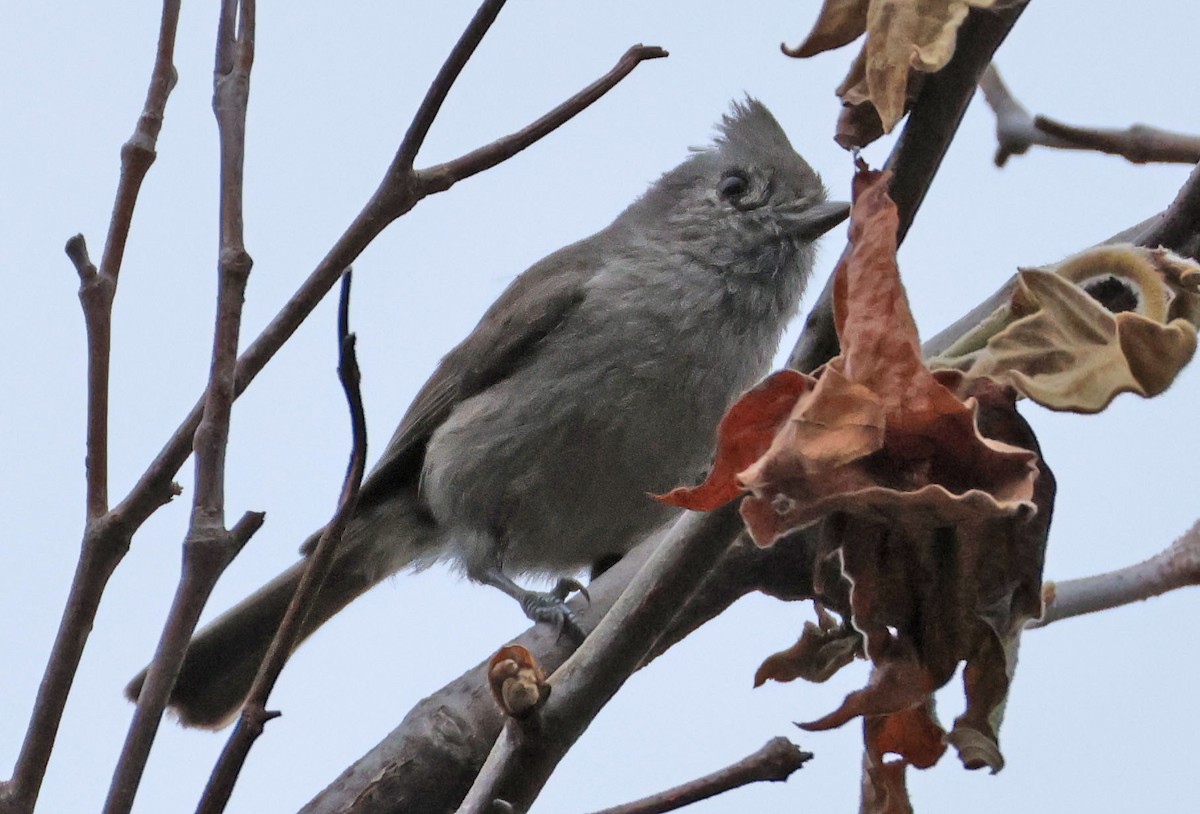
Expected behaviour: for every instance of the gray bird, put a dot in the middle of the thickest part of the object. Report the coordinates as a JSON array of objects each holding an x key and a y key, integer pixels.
[{"x": 596, "y": 379}]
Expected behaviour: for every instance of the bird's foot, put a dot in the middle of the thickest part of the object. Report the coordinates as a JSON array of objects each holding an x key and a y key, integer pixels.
[{"x": 551, "y": 607}]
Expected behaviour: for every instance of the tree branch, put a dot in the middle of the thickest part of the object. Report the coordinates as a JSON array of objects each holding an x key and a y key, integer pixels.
[
  {"x": 1176, "y": 566},
  {"x": 423, "y": 119},
  {"x": 777, "y": 760},
  {"x": 254, "y": 711},
  {"x": 1017, "y": 131},
  {"x": 208, "y": 547},
  {"x": 1178, "y": 227},
  {"x": 105, "y": 538},
  {"x": 521, "y": 762},
  {"x": 442, "y": 176}
]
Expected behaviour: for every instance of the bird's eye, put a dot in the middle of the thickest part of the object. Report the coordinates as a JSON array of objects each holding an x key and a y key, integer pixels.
[{"x": 733, "y": 185}]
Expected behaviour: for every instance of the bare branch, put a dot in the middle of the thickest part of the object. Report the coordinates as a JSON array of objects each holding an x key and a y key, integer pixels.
[
  {"x": 254, "y": 712},
  {"x": 440, "y": 88},
  {"x": 208, "y": 547},
  {"x": 96, "y": 293},
  {"x": 205, "y": 558},
  {"x": 777, "y": 760},
  {"x": 443, "y": 176},
  {"x": 1017, "y": 131},
  {"x": 1176, "y": 566},
  {"x": 105, "y": 539},
  {"x": 1138, "y": 143},
  {"x": 1178, "y": 227}
]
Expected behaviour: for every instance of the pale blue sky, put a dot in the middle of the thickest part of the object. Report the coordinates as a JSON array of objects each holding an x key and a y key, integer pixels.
[{"x": 1103, "y": 709}]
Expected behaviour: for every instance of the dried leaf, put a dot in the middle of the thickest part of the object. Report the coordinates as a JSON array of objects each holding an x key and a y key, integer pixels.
[
  {"x": 935, "y": 508},
  {"x": 1065, "y": 350},
  {"x": 906, "y": 39},
  {"x": 821, "y": 651},
  {"x": 879, "y": 434},
  {"x": 840, "y": 22}
]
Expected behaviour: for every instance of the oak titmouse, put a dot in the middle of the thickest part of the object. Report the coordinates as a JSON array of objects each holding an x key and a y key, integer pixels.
[{"x": 595, "y": 380}]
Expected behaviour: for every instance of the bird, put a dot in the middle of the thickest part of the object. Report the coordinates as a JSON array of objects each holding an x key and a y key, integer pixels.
[{"x": 596, "y": 380}]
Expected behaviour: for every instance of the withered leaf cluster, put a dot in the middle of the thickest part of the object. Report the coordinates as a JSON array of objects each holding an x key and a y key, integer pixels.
[{"x": 933, "y": 504}]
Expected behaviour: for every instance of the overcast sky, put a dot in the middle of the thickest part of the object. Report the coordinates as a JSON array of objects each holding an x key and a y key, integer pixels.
[{"x": 1103, "y": 710}]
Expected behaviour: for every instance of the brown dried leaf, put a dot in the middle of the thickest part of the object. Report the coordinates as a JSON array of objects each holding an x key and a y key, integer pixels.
[
  {"x": 915, "y": 735},
  {"x": 897, "y": 684},
  {"x": 935, "y": 507},
  {"x": 879, "y": 434},
  {"x": 821, "y": 651},
  {"x": 906, "y": 39},
  {"x": 1067, "y": 351},
  {"x": 840, "y": 22}
]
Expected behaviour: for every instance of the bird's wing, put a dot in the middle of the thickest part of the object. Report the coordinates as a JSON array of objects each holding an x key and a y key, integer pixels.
[{"x": 530, "y": 309}]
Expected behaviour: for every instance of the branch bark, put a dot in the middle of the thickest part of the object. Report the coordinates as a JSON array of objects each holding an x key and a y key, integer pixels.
[
  {"x": 208, "y": 547},
  {"x": 254, "y": 712},
  {"x": 524, "y": 758},
  {"x": 1176, "y": 566},
  {"x": 777, "y": 760},
  {"x": 1017, "y": 131},
  {"x": 106, "y": 536}
]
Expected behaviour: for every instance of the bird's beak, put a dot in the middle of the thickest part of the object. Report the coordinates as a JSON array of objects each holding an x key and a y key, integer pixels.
[{"x": 814, "y": 222}]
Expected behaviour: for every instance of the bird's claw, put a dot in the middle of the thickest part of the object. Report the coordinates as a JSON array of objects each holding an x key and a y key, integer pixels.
[
  {"x": 567, "y": 586},
  {"x": 551, "y": 607}
]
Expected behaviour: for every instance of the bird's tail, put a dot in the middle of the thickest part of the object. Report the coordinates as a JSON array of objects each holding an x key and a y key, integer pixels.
[{"x": 223, "y": 658}]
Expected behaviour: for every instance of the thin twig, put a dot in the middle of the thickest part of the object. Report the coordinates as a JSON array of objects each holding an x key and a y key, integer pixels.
[
  {"x": 775, "y": 761},
  {"x": 254, "y": 711},
  {"x": 97, "y": 290},
  {"x": 208, "y": 547},
  {"x": 428, "y": 110},
  {"x": 1176, "y": 566},
  {"x": 1017, "y": 131},
  {"x": 204, "y": 560},
  {"x": 1138, "y": 143},
  {"x": 443, "y": 176},
  {"x": 105, "y": 538},
  {"x": 918, "y": 153}
]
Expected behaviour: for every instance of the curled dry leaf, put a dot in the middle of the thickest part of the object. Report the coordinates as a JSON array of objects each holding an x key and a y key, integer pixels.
[
  {"x": 1111, "y": 320},
  {"x": 906, "y": 39},
  {"x": 822, "y": 650},
  {"x": 517, "y": 682},
  {"x": 934, "y": 507}
]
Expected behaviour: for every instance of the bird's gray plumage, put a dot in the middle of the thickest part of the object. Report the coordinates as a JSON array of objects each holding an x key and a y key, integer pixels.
[{"x": 595, "y": 379}]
